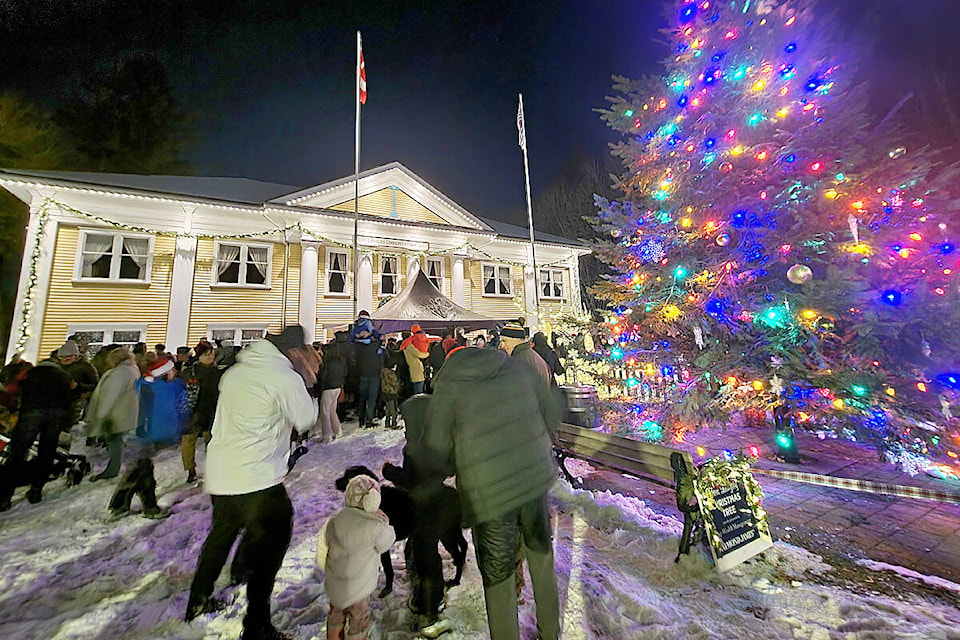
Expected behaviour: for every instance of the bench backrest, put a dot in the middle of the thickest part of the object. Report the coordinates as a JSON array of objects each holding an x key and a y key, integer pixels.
[{"x": 651, "y": 461}]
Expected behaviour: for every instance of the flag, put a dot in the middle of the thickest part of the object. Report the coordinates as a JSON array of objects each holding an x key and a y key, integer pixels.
[
  {"x": 362, "y": 70},
  {"x": 520, "y": 129}
]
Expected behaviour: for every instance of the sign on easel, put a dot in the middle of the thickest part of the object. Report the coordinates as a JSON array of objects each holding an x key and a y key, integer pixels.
[{"x": 730, "y": 503}]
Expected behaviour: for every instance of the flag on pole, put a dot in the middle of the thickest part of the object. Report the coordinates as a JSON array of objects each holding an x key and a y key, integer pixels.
[
  {"x": 520, "y": 129},
  {"x": 362, "y": 70}
]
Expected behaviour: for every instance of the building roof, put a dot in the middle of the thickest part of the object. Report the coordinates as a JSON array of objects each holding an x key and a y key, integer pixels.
[
  {"x": 253, "y": 192},
  {"x": 240, "y": 190}
]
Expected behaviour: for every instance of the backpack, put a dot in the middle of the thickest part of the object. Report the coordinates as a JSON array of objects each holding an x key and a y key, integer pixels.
[{"x": 389, "y": 382}]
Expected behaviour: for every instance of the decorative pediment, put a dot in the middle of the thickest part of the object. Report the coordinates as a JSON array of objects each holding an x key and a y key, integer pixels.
[{"x": 390, "y": 191}]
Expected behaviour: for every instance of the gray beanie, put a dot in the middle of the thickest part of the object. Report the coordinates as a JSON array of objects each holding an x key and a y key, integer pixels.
[{"x": 69, "y": 348}]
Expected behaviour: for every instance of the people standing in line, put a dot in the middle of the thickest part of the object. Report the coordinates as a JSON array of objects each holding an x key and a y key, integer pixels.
[
  {"x": 331, "y": 386},
  {"x": 46, "y": 397},
  {"x": 348, "y": 552},
  {"x": 502, "y": 455},
  {"x": 263, "y": 399},
  {"x": 162, "y": 415},
  {"x": 390, "y": 387},
  {"x": 205, "y": 375},
  {"x": 114, "y": 406},
  {"x": 415, "y": 349},
  {"x": 369, "y": 364},
  {"x": 549, "y": 356}
]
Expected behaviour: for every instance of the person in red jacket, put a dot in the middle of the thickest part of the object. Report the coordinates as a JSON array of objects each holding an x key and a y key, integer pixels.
[{"x": 415, "y": 349}]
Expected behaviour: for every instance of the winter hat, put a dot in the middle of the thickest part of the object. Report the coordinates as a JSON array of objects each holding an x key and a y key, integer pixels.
[
  {"x": 364, "y": 314},
  {"x": 513, "y": 330},
  {"x": 290, "y": 338},
  {"x": 160, "y": 368},
  {"x": 363, "y": 492},
  {"x": 69, "y": 348},
  {"x": 415, "y": 328}
]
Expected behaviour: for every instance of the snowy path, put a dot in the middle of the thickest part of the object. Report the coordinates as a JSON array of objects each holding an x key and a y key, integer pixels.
[{"x": 69, "y": 573}]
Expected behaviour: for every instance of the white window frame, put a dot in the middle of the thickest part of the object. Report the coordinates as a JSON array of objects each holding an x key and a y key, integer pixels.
[
  {"x": 440, "y": 276},
  {"x": 398, "y": 282},
  {"x": 115, "y": 258},
  {"x": 238, "y": 328},
  {"x": 496, "y": 267},
  {"x": 346, "y": 274},
  {"x": 242, "y": 274},
  {"x": 555, "y": 276},
  {"x": 108, "y": 329}
]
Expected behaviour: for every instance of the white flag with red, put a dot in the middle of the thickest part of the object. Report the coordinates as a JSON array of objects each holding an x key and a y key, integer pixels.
[
  {"x": 362, "y": 70},
  {"x": 520, "y": 128}
]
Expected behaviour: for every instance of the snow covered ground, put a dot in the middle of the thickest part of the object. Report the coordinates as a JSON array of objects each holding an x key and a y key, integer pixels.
[{"x": 68, "y": 572}]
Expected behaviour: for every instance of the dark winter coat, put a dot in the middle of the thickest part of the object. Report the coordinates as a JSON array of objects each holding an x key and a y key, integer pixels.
[
  {"x": 490, "y": 422},
  {"x": 207, "y": 380},
  {"x": 334, "y": 373},
  {"x": 549, "y": 355},
  {"x": 369, "y": 359},
  {"x": 46, "y": 386},
  {"x": 85, "y": 375}
]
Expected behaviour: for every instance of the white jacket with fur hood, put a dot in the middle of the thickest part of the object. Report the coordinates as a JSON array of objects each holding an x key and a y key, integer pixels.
[
  {"x": 350, "y": 544},
  {"x": 262, "y": 399}
]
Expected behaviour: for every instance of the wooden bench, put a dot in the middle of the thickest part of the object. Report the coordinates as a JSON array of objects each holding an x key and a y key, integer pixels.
[{"x": 665, "y": 466}]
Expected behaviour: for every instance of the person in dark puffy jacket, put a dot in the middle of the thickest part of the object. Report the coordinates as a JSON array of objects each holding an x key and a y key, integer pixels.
[
  {"x": 369, "y": 363},
  {"x": 502, "y": 455},
  {"x": 332, "y": 379}
]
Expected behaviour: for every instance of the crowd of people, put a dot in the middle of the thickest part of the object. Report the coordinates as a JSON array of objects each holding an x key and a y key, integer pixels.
[{"x": 249, "y": 405}]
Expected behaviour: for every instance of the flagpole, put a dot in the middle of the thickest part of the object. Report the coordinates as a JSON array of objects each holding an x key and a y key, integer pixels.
[
  {"x": 526, "y": 175},
  {"x": 356, "y": 180}
]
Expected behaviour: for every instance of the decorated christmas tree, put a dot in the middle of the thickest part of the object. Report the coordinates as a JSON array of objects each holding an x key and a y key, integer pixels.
[{"x": 775, "y": 245}]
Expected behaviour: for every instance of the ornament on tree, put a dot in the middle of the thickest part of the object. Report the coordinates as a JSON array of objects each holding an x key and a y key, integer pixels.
[
  {"x": 945, "y": 407},
  {"x": 925, "y": 349},
  {"x": 698, "y": 337},
  {"x": 776, "y": 385},
  {"x": 854, "y": 227},
  {"x": 825, "y": 325},
  {"x": 799, "y": 274},
  {"x": 897, "y": 152},
  {"x": 723, "y": 239}
]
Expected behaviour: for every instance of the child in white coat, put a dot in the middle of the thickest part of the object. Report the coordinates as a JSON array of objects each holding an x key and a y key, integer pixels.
[{"x": 348, "y": 551}]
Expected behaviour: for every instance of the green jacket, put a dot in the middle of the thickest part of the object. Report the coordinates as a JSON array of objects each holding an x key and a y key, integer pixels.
[{"x": 490, "y": 422}]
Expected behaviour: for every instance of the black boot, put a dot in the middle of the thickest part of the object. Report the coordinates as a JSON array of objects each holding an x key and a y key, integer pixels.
[
  {"x": 123, "y": 496},
  {"x": 147, "y": 490}
]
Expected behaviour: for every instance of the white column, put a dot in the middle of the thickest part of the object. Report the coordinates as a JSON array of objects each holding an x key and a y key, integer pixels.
[
  {"x": 413, "y": 266},
  {"x": 365, "y": 283},
  {"x": 309, "y": 268},
  {"x": 576, "y": 300},
  {"x": 456, "y": 281},
  {"x": 181, "y": 292},
  {"x": 33, "y": 287},
  {"x": 530, "y": 294}
]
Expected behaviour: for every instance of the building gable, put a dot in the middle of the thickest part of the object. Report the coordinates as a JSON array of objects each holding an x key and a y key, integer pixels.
[
  {"x": 388, "y": 191},
  {"x": 392, "y": 202}
]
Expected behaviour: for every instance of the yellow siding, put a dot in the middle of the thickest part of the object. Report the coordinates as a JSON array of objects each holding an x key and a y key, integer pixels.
[
  {"x": 225, "y": 305},
  {"x": 380, "y": 203},
  {"x": 69, "y": 302},
  {"x": 493, "y": 307},
  {"x": 333, "y": 309}
]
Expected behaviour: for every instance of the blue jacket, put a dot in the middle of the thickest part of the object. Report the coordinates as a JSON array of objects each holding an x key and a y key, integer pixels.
[{"x": 164, "y": 409}]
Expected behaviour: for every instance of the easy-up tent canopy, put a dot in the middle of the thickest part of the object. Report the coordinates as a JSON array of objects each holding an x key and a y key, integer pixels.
[{"x": 422, "y": 303}]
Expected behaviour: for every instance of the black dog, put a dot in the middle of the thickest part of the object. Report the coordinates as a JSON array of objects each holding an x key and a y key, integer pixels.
[{"x": 399, "y": 503}]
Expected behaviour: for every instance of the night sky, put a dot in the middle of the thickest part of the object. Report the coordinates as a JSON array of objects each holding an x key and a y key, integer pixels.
[{"x": 270, "y": 85}]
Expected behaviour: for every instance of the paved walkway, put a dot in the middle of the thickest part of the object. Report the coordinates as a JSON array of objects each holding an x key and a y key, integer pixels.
[{"x": 918, "y": 534}]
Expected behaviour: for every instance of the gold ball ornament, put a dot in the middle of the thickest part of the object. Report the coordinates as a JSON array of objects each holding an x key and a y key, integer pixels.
[{"x": 799, "y": 274}]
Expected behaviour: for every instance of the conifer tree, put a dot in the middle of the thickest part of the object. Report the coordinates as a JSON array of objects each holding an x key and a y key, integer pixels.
[{"x": 773, "y": 243}]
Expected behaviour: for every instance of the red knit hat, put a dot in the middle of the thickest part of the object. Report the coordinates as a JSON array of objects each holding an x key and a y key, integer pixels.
[{"x": 415, "y": 328}]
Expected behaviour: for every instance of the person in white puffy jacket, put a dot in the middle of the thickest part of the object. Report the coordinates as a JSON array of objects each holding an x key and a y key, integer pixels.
[
  {"x": 348, "y": 552},
  {"x": 262, "y": 399}
]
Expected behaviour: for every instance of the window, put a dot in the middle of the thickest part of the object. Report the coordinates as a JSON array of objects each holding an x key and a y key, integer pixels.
[
  {"x": 242, "y": 264},
  {"x": 389, "y": 275},
  {"x": 336, "y": 272},
  {"x": 434, "y": 272},
  {"x": 238, "y": 336},
  {"x": 551, "y": 283},
  {"x": 96, "y": 336},
  {"x": 114, "y": 256},
  {"x": 497, "y": 280}
]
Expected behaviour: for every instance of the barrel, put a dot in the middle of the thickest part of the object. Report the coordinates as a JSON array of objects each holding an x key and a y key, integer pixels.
[{"x": 582, "y": 406}]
